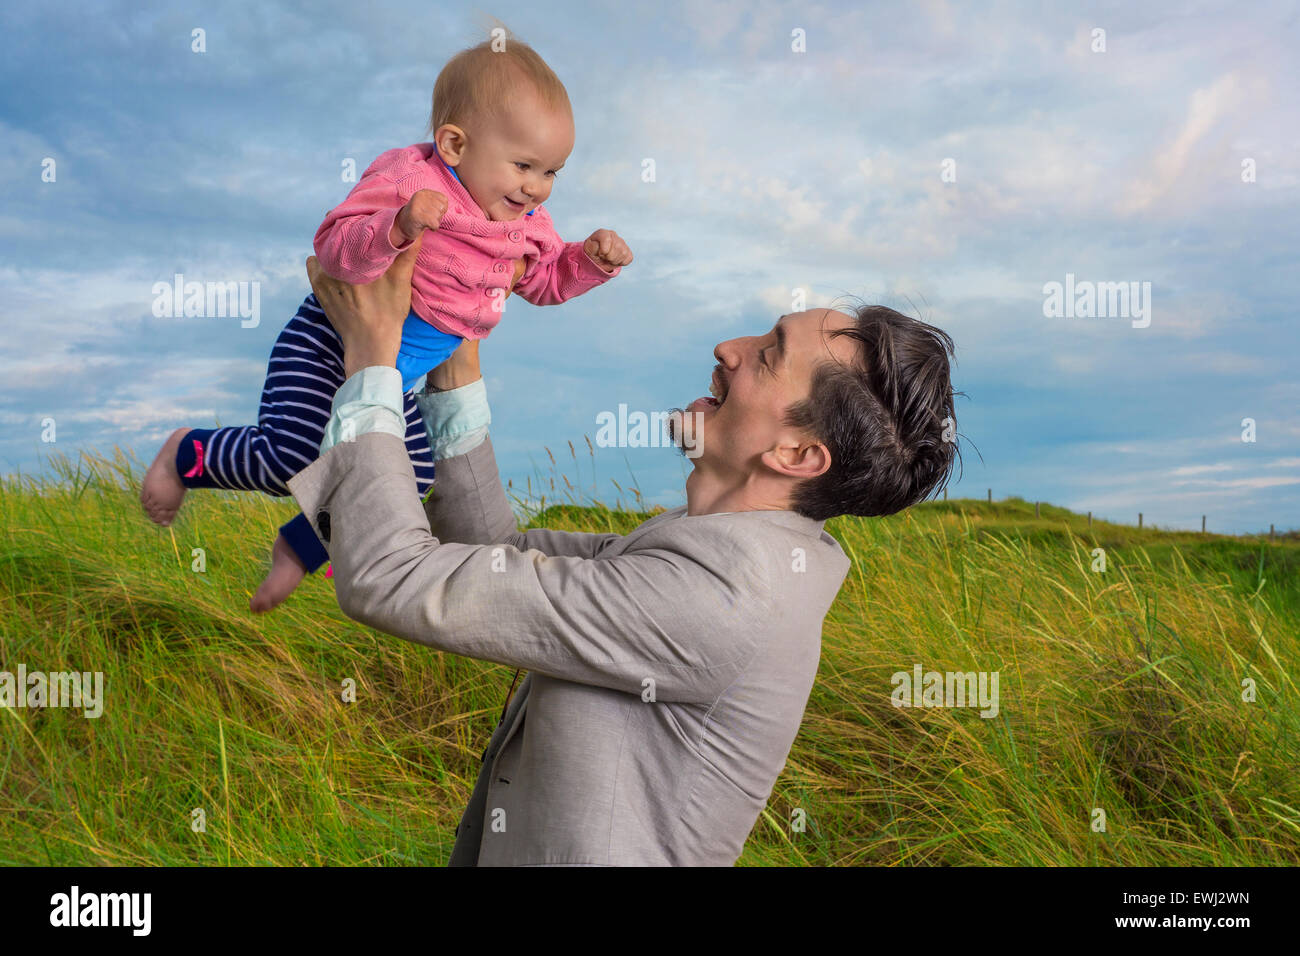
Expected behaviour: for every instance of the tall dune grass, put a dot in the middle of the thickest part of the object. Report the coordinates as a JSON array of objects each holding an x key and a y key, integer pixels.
[{"x": 1119, "y": 691}]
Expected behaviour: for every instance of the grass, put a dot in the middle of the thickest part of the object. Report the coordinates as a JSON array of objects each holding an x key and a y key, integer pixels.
[{"x": 1120, "y": 691}]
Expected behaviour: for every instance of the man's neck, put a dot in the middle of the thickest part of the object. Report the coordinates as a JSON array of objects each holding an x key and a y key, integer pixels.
[{"x": 708, "y": 494}]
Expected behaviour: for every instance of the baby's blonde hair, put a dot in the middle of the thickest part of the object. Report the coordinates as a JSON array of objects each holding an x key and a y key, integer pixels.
[{"x": 476, "y": 84}]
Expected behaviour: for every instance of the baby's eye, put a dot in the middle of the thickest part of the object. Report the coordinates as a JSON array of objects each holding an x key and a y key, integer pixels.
[
  {"x": 522, "y": 166},
  {"x": 552, "y": 173}
]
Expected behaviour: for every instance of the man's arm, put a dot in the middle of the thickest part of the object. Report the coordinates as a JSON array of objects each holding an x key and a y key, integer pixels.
[
  {"x": 468, "y": 503},
  {"x": 685, "y": 617}
]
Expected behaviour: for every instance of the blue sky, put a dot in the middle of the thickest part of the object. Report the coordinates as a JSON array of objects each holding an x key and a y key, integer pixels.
[{"x": 775, "y": 170}]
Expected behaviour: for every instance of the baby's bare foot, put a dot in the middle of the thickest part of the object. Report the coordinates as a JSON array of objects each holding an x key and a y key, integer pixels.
[
  {"x": 287, "y": 572},
  {"x": 161, "y": 491}
]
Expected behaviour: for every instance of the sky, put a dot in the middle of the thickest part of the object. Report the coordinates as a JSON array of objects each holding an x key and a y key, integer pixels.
[{"x": 946, "y": 161}]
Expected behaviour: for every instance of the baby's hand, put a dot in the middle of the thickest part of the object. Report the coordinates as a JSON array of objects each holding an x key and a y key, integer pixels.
[
  {"x": 424, "y": 210},
  {"x": 607, "y": 250}
]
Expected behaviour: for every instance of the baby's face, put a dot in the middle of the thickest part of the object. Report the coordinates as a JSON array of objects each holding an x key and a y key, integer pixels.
[{"x": 509, "y": 164}]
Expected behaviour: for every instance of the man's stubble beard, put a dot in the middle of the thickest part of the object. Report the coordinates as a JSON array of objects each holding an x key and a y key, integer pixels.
[{"x": 675, "y": 417}]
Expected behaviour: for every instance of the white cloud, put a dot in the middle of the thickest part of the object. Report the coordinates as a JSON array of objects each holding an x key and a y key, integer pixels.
[{"x": 1187, "y": 160}]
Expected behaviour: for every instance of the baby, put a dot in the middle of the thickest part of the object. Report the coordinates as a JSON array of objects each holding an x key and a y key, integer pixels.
[{"x": 502, "y": 129}]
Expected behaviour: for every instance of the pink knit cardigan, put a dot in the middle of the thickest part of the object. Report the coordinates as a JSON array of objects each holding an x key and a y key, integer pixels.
[{"x": 464, "y": 261}]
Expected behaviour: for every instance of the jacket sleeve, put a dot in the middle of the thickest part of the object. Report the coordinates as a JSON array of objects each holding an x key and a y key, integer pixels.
[
  {"x": 353, "y": 242},
  {"x": 467, "y": 503},
  {"x": 563, "y": 277},
  {"x": 680, "y": 620}
]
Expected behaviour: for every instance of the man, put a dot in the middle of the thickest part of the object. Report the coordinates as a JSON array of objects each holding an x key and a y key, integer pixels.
[{"x": 668, "y": 668}]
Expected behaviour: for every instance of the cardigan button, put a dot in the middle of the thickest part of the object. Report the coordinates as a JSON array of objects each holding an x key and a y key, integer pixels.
[
  {"x": 499, "y": 267},
  {"x": 516, "y": 236}
]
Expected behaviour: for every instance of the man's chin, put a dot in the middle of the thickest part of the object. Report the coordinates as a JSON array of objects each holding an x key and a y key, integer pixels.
[{"x": 684, "y": 431}]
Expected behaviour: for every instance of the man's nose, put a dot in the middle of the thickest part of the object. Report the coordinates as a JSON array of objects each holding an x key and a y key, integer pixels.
[{"x": 729, "y": 351}]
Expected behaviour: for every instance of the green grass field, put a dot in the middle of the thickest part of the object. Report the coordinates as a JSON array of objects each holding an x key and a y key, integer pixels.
[{"x": 1119, "y": 690}]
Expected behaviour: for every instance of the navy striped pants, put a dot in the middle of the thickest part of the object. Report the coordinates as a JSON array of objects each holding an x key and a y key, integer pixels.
[{"x": 304, "y": 372}]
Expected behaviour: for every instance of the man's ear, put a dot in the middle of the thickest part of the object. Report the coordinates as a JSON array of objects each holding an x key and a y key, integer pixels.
[
  {"x": 450, "y": 141},
  {"x": 804, "y": 460}
]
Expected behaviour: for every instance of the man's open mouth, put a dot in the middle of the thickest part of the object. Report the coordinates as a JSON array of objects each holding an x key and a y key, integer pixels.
[
  {"x": 718, "y": 388},
  {"x": 717, "y": 392}
]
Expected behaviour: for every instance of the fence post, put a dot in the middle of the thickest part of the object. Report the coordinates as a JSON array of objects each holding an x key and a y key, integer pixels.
[
  {"x": 1270, "y": 532},
  {"x": 1139, "y": 521},
  {"x": 990, "y": 496},
  {"x": 1089, "y": 520},
  {"x": 1202, "y": 524},
  {"x": 1035, "y": 509}
]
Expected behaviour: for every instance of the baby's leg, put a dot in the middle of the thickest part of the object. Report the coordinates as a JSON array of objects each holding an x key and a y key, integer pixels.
[
  {"x": 298, "y": 552},
  {"x": 304, "y": 372},
  {"x": 417, "y": 446}
]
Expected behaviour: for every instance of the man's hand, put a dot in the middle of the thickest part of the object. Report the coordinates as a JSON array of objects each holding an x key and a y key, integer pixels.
[
  {"x": 368, "y": 318},
  {"x": 607, "y": 250},
  {"x": 424, "y": 210}
]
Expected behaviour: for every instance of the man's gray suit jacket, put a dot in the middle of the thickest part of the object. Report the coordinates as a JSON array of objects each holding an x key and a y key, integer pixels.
[{"x": 668, "y": 668}]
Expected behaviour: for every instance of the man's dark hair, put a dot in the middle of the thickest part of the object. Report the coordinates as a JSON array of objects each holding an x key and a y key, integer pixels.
[{"x": 883, "y": 419}]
